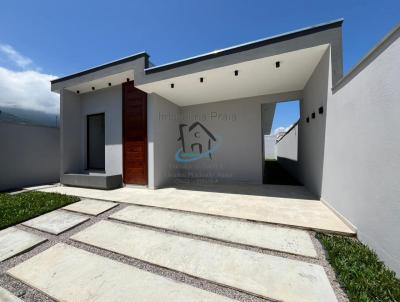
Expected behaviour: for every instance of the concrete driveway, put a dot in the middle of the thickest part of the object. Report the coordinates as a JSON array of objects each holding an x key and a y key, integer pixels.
[
  {"x": 242, "y": 243},
  {"x": 284, "y": 205}
]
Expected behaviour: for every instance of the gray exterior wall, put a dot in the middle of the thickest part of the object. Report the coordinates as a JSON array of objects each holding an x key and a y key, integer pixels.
[
  {"x": 312, "y": 134},
  {"x": 362, "y": 153},
  {"x": 239, "y": 157},
  {"x": 30, "y": 155},
  {"x": 287, "y": 151},
  {"x": 109, "y": 101},
  {"x": 74, "y": 109},
  {"x": 162, "y": 134}
]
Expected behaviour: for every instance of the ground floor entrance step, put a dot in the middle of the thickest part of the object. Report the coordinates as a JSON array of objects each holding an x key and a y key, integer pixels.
[
  {"x": 255, "y": 234},
  {"x": 90, "y": 180},
  {"x": 69, "y": 274},
  {"x": 260, "y": 274}
]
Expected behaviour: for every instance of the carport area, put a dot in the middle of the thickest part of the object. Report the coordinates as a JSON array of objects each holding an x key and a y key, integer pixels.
[{"x": 275, "y": 204}]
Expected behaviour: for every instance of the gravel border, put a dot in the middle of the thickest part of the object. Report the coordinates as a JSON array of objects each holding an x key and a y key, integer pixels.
[{"x": 29, "y": 294}]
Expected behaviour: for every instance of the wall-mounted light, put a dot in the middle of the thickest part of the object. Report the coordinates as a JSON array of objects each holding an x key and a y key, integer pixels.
[
  {"x": 127, "y": 79},
  {"x": 236, "y": 73},
  {"x": 201, "y": 80},
  {"x": 77, "y": 91},
  {"x": 93, "y": 88},
  {"x": 313, "y": 115},
  {"x": 307, "y": 119},
  {"x": 277, "y": 64},
  {"x": 172, "y": 85},
  {"x": 109, "y": 84},
  {"x": 321, "y": 110}
]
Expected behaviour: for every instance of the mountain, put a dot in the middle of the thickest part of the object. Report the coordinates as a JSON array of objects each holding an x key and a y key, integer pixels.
[{"x": 28, "y": 117}]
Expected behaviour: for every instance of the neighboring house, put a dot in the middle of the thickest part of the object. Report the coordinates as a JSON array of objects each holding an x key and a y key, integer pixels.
[
  {"x": 141, "y": 107},
  {"x": 270, "y": 150},
  {"x": 287, "y": 149}
]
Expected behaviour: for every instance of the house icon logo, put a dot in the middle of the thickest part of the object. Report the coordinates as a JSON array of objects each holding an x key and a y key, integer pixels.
[{"x": 197, "y": 142}]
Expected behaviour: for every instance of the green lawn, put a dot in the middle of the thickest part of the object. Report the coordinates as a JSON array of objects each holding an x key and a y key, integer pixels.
[
  {"x": 359, "y": 271},
  {"x": 21, "y": 207}
]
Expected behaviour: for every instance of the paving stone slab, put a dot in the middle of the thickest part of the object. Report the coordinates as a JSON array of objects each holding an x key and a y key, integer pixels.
[
  {"x": 254, "y": 234},
  {"x": 286, "y": 205},
  {"x": 69, "y": 274},
  {"x": 91, "y": 206},
  {"x": 260, "y": 274},
  {"x": 14, "y": 242},
  {"x": 56, "y": 222},
  {"x": 6, "y": 296}
]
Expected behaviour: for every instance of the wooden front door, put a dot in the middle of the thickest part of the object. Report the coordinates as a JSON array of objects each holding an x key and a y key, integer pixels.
[{"x": 135, "y": 134}]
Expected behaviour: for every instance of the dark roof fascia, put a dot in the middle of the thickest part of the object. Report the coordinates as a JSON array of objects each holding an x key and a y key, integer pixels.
[
  {"x": 100, "y": 67},
  {"x": 247, "y": 46}
]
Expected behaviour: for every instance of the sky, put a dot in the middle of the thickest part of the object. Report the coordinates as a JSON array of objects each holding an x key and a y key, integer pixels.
[{"x": 41, "y": 40}]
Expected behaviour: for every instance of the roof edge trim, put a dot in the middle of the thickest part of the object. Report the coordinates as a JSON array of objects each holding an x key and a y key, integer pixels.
[{"x": 103, "y": 66}]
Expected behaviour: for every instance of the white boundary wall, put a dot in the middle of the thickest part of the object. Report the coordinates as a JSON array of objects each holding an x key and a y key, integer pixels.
[{"x": 361, "y": 175}]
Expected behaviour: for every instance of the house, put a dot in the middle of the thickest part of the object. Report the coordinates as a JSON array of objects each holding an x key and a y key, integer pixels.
[{"x": 125, "y": 123}]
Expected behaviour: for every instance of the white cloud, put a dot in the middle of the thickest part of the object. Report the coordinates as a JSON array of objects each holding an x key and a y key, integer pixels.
[
  {"x": 27, "y": 89},
  {"x": 15, "y": 57}
]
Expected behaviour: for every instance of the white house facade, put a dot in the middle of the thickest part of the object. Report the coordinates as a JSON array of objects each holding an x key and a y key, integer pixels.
[{"x": 202, "y": 120}]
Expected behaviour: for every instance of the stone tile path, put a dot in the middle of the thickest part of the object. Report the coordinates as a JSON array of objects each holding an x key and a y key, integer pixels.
[
  {"x": 66, "y": 273},
  {"x": 91, "y": 206},
  {"x": 238, "y": 231},
  {"x": 14, "y": 241},
  {"x": 56, "y": 222},
  {"x": 263, "y": 275}
]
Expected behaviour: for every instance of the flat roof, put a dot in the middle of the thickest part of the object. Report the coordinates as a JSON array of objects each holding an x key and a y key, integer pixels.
[
  {"x": 214, "y": 54},
  {"x": 248, "y": 46}
]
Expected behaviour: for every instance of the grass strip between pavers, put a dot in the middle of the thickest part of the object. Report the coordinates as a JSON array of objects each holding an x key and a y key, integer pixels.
[
  {"x": 359, "y": 270},
  {"x": 24, "y": 206}
]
